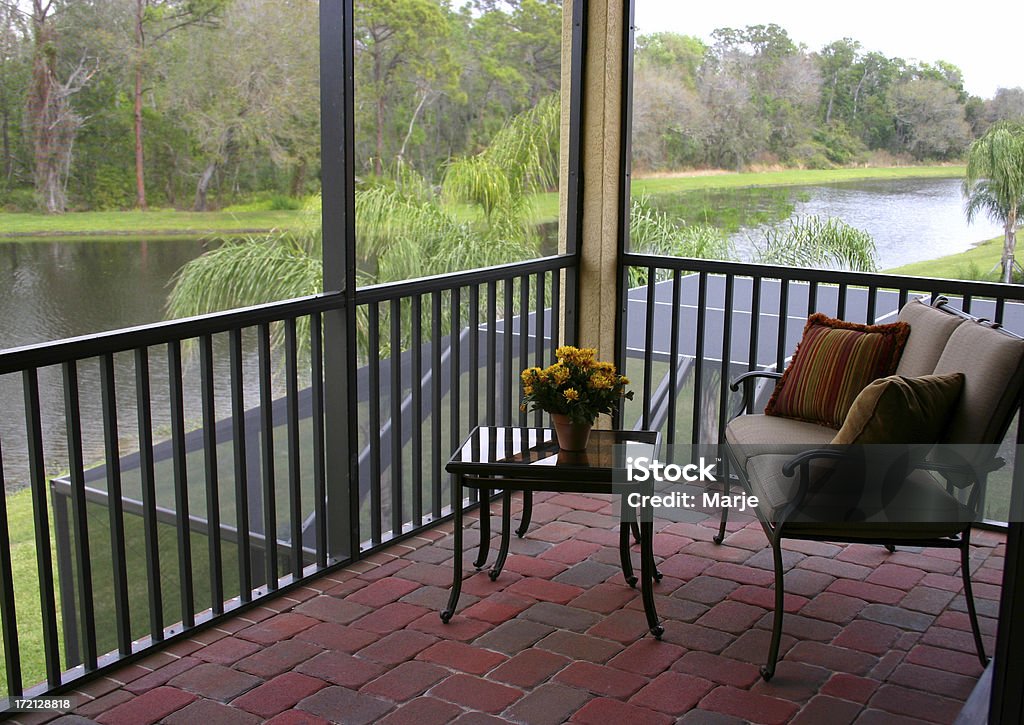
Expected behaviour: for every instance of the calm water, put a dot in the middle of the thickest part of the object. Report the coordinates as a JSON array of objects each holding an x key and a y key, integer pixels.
[
  {"x": 53, "y": 290},
  {"x": 910, "y": 220}
]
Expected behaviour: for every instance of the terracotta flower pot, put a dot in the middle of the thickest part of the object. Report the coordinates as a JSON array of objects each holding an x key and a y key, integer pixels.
[{"x": 571, "y": 436}]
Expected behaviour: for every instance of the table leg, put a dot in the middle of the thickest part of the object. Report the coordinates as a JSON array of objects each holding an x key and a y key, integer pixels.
[
  {"x": 485, "y": 528},
  {"x": 506, "y": 534},
  {"x": 647, "y": 573},
  {"x": 627, "y": 520},
  {"x": 453, "y": 600},
  {"x": 527, "y": 514}
]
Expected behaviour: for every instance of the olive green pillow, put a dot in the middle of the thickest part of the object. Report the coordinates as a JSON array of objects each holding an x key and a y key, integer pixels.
[{"x": 898, "y": 409}]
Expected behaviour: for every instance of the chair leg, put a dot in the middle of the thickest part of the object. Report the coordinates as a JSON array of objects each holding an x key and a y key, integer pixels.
[
  {"x": 636, "y": 531},
  {"x": 972, "y": 612},
  {"x": 768, "y": 671}
]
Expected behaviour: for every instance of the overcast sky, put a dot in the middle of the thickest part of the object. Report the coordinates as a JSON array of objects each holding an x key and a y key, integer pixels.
[{"x": 986, "y": 44}]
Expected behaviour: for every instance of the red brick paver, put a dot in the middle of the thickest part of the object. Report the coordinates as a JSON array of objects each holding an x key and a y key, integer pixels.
[{"x": 869, "y": 637}]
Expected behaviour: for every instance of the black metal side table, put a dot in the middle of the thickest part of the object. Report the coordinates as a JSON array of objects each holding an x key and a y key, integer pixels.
[{"x": 528, "y": 459}]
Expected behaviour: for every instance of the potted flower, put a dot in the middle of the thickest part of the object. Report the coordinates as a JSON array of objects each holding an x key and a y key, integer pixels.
[{"x": 574, "y": 390}]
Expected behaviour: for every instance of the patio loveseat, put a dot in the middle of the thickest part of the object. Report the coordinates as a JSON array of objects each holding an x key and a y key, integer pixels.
[{"x": 903, "y": 460}]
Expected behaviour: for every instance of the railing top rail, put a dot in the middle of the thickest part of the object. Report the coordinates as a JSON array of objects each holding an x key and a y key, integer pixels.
[
  {"x": 113, "y": 341},
  {"x": 451, "y": 280},
  {"x": 828, "y": 276}
]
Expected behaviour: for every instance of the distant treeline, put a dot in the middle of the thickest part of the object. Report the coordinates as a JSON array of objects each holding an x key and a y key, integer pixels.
[
  {"x": 754, "y": 96},
  {"x": 108, "y": 104}
]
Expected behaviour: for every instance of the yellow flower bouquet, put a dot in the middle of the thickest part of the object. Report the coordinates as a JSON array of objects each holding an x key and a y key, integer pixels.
[{"x": 577, "y": 386}]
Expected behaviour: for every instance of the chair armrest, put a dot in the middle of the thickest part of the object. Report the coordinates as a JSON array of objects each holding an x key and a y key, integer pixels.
[
  {"x": 963, "y": 475},
  {"x": 746, "y": 379},
  {"x": 804, "y": 458}
]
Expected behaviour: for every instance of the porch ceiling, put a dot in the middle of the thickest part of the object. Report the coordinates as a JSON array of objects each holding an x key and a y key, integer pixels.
[{"x": 869, "y": 636}]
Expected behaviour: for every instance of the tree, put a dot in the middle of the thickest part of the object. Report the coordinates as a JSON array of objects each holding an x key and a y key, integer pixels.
[
  {"x": 52, "y": 120},
  {"x": 761, "y": 91},
  {"x": 155, "y": 20},
  {"x": 994, "y": 183},
  {"x": 14, "y": 74},
  {"x": 930, "y": 119},
  {"x": 1006, "y": 105},
  {"x": 669, "y": 122},
  {"x": 404, "y": 227},
  {"x": 402, "y": 59},
  {"x": 260, "y": 105},
  {"x": 682, "y": 55},
  {"x": 509, "y": 57}
]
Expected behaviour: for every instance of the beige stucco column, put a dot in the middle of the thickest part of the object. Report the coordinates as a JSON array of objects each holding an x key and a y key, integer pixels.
[{"x": 601, "y": 175}]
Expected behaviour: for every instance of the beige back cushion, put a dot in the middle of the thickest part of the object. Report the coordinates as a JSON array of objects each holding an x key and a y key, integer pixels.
[
  {"x": 930, "y": 328},
  {"x": 992, "y": 363}
]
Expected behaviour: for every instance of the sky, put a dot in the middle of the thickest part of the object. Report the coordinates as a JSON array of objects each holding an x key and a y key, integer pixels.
[{"x": 985, "y": 45}]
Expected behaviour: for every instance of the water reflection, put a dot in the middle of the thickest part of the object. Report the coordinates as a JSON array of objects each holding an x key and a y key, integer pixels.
[{"x": 53, "y": 290}]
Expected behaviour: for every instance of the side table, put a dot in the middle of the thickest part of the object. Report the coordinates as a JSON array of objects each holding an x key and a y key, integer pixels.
[{"x": 528, "y": 460}]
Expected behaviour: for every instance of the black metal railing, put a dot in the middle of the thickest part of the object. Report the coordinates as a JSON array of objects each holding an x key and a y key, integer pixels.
[
  {"x": 192, "y": 480},
  {"x": 692, "y": 325},
  {"x": 126, "y": 513},
  {"x": 442, "y": 355}
]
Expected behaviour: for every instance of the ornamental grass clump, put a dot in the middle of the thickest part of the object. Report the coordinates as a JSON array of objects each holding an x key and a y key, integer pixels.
[{"x": 577, "y": 386}]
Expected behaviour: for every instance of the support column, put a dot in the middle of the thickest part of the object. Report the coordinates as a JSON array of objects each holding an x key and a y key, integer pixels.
[
  {"x": 601, "y": 174},
  {"x": 337, "y": 141}
]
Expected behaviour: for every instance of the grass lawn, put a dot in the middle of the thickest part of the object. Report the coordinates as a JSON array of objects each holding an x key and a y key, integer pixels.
[
  {"x": 165, "y": 223},
  {"x": 134, "y": 224},
  {"x": 26, "y": 589},
  {"x": 976, "y": 263}
]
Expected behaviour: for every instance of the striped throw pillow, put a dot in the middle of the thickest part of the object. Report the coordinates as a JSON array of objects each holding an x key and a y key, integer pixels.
[{"x": 834, "y": 361}]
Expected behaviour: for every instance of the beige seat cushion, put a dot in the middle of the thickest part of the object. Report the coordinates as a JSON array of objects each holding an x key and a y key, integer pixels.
[
  {"x": 930, "y": 328},
  {"x": 850, "y": 503},
  {"x": 751, "y": 435}
]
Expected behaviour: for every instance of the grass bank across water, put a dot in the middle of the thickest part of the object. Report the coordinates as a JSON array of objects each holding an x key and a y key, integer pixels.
[
  {"x": 979, "y": 262},
  {"x": 168, "y": 223},
  {"x": 134, "y": 225}
]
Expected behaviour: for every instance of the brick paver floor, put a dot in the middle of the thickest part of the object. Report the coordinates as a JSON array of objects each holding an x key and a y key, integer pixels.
[{"x": 870, "y": 637}]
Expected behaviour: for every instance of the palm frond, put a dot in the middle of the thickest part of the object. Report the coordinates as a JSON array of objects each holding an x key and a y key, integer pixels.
[{"x": 816, "y": 242}]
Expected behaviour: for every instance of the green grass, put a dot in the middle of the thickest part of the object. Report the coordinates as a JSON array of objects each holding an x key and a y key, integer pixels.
[
  {"x": 25, "y": 575},
  {"x": 979, "y": 262},
  {"x": 131, "y": 225},
  {"x": 245, "y": 219}
]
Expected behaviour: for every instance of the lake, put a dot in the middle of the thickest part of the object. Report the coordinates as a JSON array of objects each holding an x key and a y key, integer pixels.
[{"x": 910, "y": 220}]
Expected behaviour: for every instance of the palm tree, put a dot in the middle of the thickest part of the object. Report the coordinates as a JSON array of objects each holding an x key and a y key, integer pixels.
[{"x": 995, "y": 183}]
